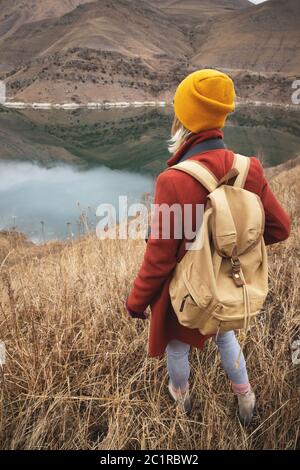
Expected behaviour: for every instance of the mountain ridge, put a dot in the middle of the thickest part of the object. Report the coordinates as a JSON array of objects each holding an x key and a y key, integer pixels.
[
  {"x": 133, "y": 50},
  {"x": 268, "y": 39}
]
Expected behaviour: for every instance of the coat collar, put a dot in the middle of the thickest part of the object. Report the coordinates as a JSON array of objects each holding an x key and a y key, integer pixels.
[{"x": 193, "y": 140}]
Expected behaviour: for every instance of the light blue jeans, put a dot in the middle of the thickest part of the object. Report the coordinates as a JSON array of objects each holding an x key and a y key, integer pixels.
[{"x": 229, "y": 348}]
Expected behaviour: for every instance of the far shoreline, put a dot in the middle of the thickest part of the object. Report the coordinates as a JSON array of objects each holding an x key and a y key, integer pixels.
[{"x": 128, "y": 104}]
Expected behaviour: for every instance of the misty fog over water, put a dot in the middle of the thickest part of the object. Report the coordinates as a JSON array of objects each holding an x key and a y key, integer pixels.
[{"x": 31, "y": 194}]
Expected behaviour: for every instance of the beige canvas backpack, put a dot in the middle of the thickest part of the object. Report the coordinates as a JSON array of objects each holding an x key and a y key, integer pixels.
[{"x": 222, "y": 280}]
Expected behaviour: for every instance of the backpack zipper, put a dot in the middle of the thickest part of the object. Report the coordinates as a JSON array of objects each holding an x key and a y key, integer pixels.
[{"x": 184, "y": 300}]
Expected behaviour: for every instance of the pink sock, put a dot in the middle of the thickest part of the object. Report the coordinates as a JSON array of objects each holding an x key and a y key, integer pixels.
[{"x": 241, "y": 389}]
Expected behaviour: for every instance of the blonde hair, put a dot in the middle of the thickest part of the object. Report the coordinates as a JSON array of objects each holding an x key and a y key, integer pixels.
[{"x": 179, "y": 134}]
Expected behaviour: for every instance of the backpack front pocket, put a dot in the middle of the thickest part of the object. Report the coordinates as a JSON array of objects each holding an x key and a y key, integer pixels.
[
  {"x": 191, "y": 307},
  {"x": 203, "y": 295}
]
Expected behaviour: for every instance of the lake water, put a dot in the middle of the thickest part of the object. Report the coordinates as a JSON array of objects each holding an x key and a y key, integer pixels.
[{"x": 56, "y": 165}]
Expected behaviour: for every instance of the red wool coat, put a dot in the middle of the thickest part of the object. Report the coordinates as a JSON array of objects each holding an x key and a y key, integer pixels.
[{"x": 151, "y": 286}]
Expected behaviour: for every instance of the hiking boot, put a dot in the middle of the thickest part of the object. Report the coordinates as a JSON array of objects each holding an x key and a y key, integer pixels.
[
  {"x": 246, "y": 403},
  {"x": 182, "y": 399}
]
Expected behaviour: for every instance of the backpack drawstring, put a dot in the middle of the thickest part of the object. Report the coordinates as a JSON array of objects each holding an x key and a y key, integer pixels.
[{"x": 247, "y": 318}]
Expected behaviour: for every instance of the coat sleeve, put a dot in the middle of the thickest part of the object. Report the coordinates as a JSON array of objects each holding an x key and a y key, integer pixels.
[
  {"x": 277, "y": 221},
  {"x": 160, "y": 257}
]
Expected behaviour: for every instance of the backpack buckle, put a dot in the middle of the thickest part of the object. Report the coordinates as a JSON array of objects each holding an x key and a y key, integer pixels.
[
  {"x": 236, "y": 271},
  {"x": 235, "y": 263}
]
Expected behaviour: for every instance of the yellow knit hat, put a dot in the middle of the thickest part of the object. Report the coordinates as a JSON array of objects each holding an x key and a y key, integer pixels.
[{"x": 204, "y": 99}]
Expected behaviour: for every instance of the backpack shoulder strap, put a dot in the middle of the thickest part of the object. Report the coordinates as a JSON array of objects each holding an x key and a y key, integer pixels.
[
  {"x": 199, "y": 172},
  {"x": 242, "y": 164}
]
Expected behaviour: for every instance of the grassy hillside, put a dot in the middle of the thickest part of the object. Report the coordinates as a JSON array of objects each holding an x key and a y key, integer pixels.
[{"x": 77, "y": 373}]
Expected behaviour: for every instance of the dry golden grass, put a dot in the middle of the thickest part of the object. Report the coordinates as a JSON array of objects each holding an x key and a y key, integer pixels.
[{"x": 77, "y": 373}]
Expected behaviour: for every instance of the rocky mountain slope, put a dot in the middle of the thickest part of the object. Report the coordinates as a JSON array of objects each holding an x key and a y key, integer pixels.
[
  {"x": 102, "y": 49},
  {"x": 132, "y": 28},
  {"x": 265, "y": 38},
  {"x": 188, "y": 13},
  {"x": 74, "y": 50},
  {"x": 15, "y": 13}
]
